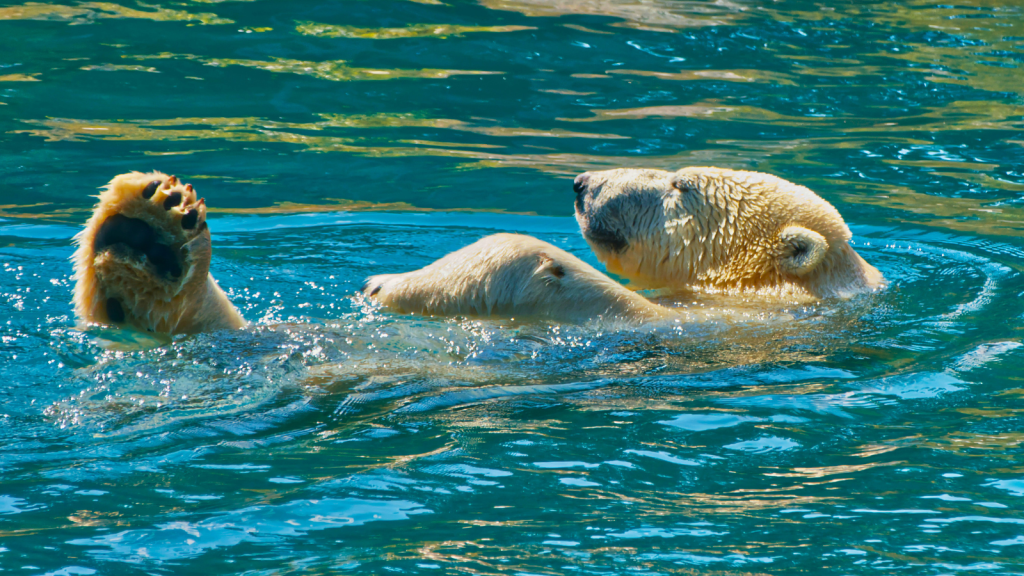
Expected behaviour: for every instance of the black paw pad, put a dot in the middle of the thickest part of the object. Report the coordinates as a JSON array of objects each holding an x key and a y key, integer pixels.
[
  {"x": 120, "y": 229},
  {"x": 188, "y": 221},
  {"x": 150, "y": 189},
  {"x": 114, "y": 311},
  {"x": 139, "y": 237},
  {"x": 172, "y": 200},
  {"x": 161, "y": 256}
]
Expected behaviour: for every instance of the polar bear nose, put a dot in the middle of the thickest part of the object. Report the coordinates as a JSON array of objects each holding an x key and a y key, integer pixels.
[{"x": 579, "y": 185}]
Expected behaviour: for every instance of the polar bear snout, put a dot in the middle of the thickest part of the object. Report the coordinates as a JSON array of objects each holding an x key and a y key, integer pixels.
[
  {"x": 608, "y": 204},
  {"x": 601, "y": 222},
  {"x": 579, "y": 184},
  {"x": 605, "y": 239}
]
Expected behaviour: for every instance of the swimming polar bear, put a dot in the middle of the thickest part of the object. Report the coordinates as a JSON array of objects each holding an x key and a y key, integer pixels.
[
  {"x": 713, "y": 230},
  {"x": 143, "y": 258},
  {"x": 700, "y": 229},
  {"x": 513, "y": 276}
]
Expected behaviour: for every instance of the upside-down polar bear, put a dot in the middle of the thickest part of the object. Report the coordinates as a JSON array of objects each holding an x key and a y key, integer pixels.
[{"x": 143, "y": 259}]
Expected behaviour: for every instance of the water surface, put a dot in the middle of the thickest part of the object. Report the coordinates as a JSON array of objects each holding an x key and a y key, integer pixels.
[{"x": 341, "y": 139}]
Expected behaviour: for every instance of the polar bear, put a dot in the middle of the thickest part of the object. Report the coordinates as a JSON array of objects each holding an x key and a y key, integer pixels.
[
  {"x": 714, "y": 230},
  {"x": 143, "y": 259},
  {"x": 698, "y": 229},
  {"x": 513, "y": 276}
]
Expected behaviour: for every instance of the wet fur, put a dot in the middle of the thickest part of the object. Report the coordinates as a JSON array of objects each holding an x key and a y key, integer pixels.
[
  {"x": 510, "y": 275},
  {"x": 143, "y": 260},
  {"x": 723, "y": 231}
]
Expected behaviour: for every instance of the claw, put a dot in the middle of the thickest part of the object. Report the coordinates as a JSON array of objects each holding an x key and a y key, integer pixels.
[
  {"x": 188, "y": 187},
  {"x": 200, "y": 209},
  {"x": 171, "y": 183}
]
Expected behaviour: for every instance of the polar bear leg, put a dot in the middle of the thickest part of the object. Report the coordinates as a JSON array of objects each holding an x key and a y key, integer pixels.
[{"x": 143, "y": 260}]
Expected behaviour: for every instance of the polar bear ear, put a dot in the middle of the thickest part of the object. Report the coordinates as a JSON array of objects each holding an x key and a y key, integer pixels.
[
  {"x": 550, "y": 270},
  {"x": 800, "y": 250},
  {"x": 682, "y": 183}
]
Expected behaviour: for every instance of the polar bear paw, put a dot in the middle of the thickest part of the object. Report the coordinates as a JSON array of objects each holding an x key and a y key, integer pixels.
[{"x": 143, "y": 259}]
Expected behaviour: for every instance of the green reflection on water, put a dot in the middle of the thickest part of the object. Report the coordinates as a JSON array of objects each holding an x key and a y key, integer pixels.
[
  {"x": 88, "y": 12},
  {"x": 415, "y": 31}
]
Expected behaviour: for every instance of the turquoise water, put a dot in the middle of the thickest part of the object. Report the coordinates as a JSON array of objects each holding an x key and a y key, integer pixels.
[{"x": 336, "y": 140}]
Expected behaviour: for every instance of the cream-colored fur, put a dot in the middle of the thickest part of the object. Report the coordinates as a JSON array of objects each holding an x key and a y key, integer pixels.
[
  {"x": 719, "y": 231},
  {"x": 511, "y": 275},
  {"x": 698, "y": 229},
  {"x": 116, "y": 275}
]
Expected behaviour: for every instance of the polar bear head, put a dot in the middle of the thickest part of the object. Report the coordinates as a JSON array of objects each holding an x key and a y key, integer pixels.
[{"x": 717, "y": 230}]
